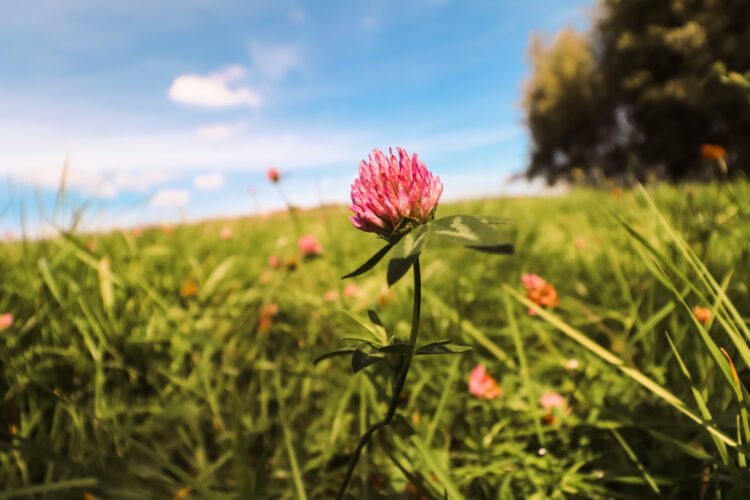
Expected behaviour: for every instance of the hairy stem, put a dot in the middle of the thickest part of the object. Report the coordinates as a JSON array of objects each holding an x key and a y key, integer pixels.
[{"x": 399, "y": 384}]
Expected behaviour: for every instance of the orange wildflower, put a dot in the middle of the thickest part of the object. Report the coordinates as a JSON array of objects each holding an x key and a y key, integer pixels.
[
  {"x": 291, "y": 264},
  {"x": 702, "y": 314},
  {"x": 539, "y": 291},
  {"x": 384, "y": 296},
  {"x": 713, "y": 152},
  {"x": 182, "y": 493},
  {"x": 189, "y": 289}
]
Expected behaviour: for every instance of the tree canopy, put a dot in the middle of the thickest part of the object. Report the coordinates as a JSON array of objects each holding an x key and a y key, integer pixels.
[{"x": 654, "y": 87}]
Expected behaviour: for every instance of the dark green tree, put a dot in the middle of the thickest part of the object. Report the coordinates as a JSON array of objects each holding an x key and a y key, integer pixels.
[{"x": 643, "y": 91}]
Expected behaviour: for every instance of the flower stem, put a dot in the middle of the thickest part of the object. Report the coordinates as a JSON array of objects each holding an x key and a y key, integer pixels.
[{"x": 397, "y": 386}]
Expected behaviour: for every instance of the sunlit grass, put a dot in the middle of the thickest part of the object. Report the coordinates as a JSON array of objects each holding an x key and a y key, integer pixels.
[{"x": 119, "y": 383}]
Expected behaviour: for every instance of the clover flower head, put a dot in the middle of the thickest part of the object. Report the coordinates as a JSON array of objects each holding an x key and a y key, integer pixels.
[
  {"x": 309, "y": 246},
  {"x": 274, "y": 261},
  {"x": 6, "y": 320},
  {"x": 393, "y": 193},
  {"x": 482, "y": 385},
  {"x": 539, "y": 291},
  {"x": 549, "y": 400},
  {"x": 273, "y": 174}
]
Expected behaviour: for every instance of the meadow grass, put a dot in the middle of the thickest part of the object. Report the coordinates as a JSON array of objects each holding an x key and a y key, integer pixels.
[{"x": 118, "y": 384}]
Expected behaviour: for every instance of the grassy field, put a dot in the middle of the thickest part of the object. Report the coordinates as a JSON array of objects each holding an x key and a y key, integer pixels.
[{"x": 139, "y": 365}]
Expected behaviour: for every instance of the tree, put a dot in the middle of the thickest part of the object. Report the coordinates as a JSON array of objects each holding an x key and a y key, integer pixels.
[{"x": 642, "y": 91}]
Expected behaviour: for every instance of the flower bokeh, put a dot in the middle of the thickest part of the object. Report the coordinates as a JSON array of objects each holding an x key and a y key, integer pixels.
[
  {"x": 273, "y": 174},
  {"x": 482, "y": 385},
  {"x": 309, "y": 246},
  {"x": 539, "y": 292},
  {"x": 6, "y": 320}
]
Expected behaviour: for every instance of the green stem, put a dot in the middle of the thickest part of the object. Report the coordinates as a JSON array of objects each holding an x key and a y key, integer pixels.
[{"x": 399, "y": 384}]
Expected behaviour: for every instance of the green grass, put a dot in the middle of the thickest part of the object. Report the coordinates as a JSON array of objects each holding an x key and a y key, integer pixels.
[{"x": 119, "y": 387}]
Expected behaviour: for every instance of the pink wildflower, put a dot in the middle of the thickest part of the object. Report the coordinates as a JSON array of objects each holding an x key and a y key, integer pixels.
[
  {"x": 390, "y": 190},
  {"x": 273, "y": 174},
  {"x": 351, "y": 290},
  {"x": 539, "y": 291},
  {"x": 267, "y": 312},
  {"x": 308, "y": 246},
  {"x": 274, "y": 261},
  {"x": 225, "y": 233},
  {"x": 551, "y": 399},
  {"x": 331, "y": 296},
  {"x": 6, "y": 320},
  {"x": 482, "y": 385}
]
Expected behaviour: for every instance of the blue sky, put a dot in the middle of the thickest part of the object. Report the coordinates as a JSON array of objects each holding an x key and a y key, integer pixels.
[{"x": 169, "y": 110}]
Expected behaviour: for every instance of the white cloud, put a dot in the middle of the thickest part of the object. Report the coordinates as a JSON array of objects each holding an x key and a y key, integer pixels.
[
  {"x": 213, "y": 90},
  {"x": 137, "y": 162},
  {"x": 208, "y": 181},
  {"x": 172, "y": 198},
  {"x": 220, "y": 131},
  {"x": 105, "y": 189},
  {"x": 274, "y": 61},
  {"x": 142, "y": 180}
]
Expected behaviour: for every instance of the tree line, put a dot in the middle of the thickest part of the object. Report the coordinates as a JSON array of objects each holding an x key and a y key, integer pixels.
[{"x": 655, "y": 88}]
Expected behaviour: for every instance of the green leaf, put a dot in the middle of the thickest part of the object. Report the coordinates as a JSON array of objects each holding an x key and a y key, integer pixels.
[
  {"x": 377, "y": 334},
  {"x": 441, "y": 347},
  {"x": 395, "y": 349},
  {"x": 65, "y": 485},
  {"x": 398, "y": 267},
  {"x": 374, "y": 318},
  {"x": 370, "y": 262},
  {"x": 505, "y": 249},
  {"x": 340, "y": 352},
  {"x": 492, "y": 219},
  {"x": 209, "y": 287},
  {"x": 406, "y": 252},
  {"x": 364, "y": 356},
  {"x": 475, "y": 232}
]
